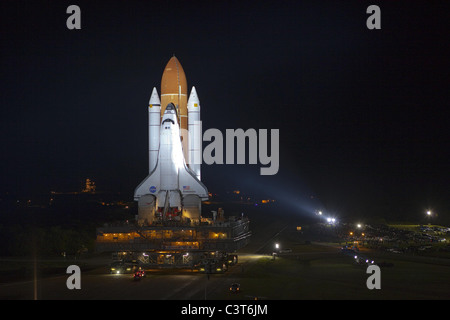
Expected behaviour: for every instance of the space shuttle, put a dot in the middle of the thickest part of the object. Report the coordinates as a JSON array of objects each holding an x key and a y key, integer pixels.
[{"x": 172, "y": 191}]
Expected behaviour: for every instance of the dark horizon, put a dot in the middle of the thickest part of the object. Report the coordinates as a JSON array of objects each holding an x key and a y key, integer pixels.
[{"x": 362, "y": 114}]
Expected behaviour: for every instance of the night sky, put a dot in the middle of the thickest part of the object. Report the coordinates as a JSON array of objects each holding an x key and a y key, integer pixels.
[{"x": 363, "y": 114}]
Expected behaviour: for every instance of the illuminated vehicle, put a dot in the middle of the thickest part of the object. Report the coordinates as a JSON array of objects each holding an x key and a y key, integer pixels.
[
  {"x": 121, "y": 267},
  {"x": 235, "y": 288},
  {"x": 212, "y": 266},
  {"x": 232, "y": 259},
  {"x": 139, "y": 274}
]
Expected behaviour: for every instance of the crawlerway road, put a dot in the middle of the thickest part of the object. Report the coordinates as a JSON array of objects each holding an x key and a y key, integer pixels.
[{"x": 97, "y": 284}]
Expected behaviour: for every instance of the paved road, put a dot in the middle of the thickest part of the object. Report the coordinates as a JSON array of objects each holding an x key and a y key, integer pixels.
[{"x": 97, "y": 284}]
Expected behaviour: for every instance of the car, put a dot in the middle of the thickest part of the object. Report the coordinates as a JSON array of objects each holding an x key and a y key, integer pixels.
[
  {"x": 121, "y": 267},
  {"x": 235, "y": 288},
  {"x": 139, "y": 274},
  {"x": 232, "y": 259}
]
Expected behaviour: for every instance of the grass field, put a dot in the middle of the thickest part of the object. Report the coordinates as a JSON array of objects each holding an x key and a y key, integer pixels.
[{"x": 317, "y": 272}]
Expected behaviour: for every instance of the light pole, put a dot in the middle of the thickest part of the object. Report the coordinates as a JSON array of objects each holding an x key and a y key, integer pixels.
[
  {"x": 429, "y": 215},
  {"x": 277, "y": 247}
]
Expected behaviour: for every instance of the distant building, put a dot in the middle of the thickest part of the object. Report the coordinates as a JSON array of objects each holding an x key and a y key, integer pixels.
[{"x": 89, "y": 187}]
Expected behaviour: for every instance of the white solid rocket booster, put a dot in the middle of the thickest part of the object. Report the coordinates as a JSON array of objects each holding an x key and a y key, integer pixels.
[
  {"x": 154, "y": 123},
  {"x": 195, "y": 133}
]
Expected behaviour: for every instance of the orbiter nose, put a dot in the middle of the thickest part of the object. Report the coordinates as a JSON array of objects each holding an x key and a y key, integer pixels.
[{"x": 170, "y": 107}]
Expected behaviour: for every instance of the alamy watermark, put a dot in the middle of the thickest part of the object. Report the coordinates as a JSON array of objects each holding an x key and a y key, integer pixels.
[
  {"x": 74, "y": 20},
  {"x": 235, "y": 148},
  {"x": 74, "y": 280},
  {"x": 374, "y": 280}
]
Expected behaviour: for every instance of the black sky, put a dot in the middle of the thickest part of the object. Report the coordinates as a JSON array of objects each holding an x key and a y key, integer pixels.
[{"x": 363, "y": 114}]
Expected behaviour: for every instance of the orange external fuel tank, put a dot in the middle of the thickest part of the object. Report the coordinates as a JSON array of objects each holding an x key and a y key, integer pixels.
[{"x": 174, "y": 90}]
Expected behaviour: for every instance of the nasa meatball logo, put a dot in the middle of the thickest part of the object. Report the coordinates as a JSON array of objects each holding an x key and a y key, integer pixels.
[{"x": 152, "y": 189}]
